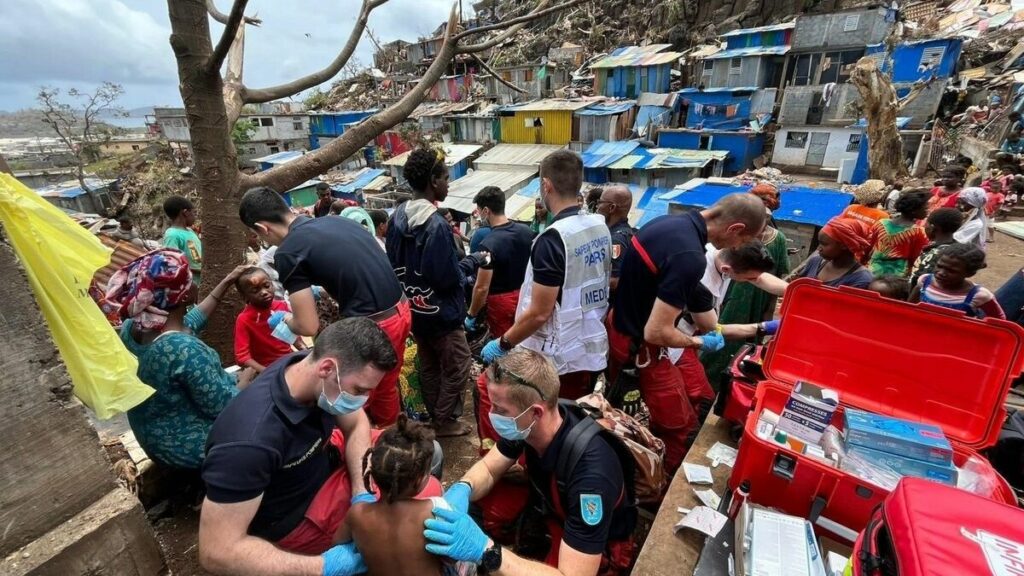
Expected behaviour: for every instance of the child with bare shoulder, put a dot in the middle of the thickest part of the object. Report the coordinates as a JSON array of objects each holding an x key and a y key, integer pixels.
[{"x": 389, "y": 532}]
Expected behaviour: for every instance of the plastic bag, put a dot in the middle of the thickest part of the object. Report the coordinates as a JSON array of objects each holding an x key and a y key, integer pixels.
[
  {"x": 979, "y": 477},
  {"x": 60, "y": 258}
]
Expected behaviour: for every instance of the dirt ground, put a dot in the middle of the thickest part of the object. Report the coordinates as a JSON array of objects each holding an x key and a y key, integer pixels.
[{"x": 177, "y": 533}]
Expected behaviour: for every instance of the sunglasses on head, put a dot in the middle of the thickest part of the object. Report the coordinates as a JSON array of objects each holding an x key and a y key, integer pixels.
[{"x": 500, "y": 373}]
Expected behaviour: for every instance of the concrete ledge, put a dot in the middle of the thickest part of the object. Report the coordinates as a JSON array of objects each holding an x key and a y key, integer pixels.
[{"x": 111, "y": 536}]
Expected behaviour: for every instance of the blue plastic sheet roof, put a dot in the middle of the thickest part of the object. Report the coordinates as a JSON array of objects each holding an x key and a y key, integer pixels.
[
  {"x": 72, "y": 190},
  {"x": 771, "y": 28},
  {"x": 750, "y": 51},
  {"x": 279, "y": 157},
  {"x": 800, "y": 204},
  {"x": 714, "y": 90},
  {"x": 606, "y": 109},
  {"x": 532, "y": 189},
  {"x": 361, "y": 182},
  {"x": 901, "y": 122},
  {"x": 602, "y": 154}
]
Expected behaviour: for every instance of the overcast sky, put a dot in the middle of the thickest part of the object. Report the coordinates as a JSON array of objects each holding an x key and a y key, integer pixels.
[{"x": 80, "y": 43}]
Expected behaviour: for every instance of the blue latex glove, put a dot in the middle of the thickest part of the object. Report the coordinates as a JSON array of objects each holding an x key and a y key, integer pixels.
[
  {"x": 343, "y": 560},
  {"x": 454, "y": 535},
  {"x": 712, "y": 342},
  {"x": 470, "y": 324},
  {"x": 770, "y": 327},
  {"x": 276, "y": 319},
  {"x": 492, "y": 351},
  {"x": 458, "y": 495},
  {"x": 365, "y": 497}
]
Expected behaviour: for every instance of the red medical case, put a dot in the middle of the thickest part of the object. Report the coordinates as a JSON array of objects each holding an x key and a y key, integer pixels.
[
  {"x": 736, "y": 395},
  {"x": 928, "y": 529},
  {"x": 914, "y": 361}
]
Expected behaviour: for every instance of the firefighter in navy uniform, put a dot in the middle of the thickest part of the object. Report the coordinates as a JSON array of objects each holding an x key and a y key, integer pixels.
[
  {"x": 615, "y": 204},
  {"x": 583, "y": 480}
]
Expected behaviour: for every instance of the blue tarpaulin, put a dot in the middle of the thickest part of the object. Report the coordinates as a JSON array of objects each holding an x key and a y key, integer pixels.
[
  {"x": 802, "y": 205},
  {"x": 359, "y": 183},
  {"x": 606, "y": 109},
  {"x": 651, "y": 115},
  {"x": 602, "y": 154}
]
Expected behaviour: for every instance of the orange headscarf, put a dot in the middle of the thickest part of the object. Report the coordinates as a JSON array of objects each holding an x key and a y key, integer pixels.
[
  {"x": 768, "y": 194},
  {"x": 853, "y": 234}
]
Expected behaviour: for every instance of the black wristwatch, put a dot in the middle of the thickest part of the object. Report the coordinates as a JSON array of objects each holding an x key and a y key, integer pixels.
[
  {"x": 504, "y": 344},
  {"x": 491, "y": 560}
]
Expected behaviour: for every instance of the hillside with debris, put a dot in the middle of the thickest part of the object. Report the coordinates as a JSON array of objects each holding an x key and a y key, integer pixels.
[{"x": 599, "y": 27}]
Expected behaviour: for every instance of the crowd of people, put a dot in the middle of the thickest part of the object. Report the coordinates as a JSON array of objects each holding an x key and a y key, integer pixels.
[{"x": 311, "y": 466}]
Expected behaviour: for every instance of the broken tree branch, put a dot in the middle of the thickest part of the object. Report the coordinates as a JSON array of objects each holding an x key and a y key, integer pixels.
[
  {"x": 255, "y": 96},
  {"x": 221, "y": 17},
  {"x": 497, "y": 76},
  {"x": 286, "y": 176},
  {"x": 515, "y": 25},
  {"x": 227, "y": 38}
]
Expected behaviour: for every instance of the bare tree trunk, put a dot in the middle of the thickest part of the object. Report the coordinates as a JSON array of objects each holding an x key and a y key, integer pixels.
[
  {"x": 216, "y": 161},
  {"x": 881, "y": 107}
]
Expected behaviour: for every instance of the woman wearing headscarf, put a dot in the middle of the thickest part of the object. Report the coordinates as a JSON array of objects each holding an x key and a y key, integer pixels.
[
  {"x": 866, "y": 199},
  {"x": 745, "y": 303},
  {"x": 975, "y": 227},
  {"x": 843, "y": 247},
  {"x": 154, "y": 293}
]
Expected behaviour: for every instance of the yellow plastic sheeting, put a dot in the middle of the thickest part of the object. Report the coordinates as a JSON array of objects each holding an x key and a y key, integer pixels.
[{"x": 60, "y": 258}]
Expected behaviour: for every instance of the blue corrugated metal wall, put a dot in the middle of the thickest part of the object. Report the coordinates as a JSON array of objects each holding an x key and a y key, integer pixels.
[
  {"x": 719, "y": 120},
  {"x": 332, "y": 125},
  {"x": 742, "y": 147},
  {"x": 906, "y": 59},
  {"x": 657, "y": 79}
]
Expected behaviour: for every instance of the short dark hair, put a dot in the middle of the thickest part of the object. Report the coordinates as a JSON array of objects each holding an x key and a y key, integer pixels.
[
  {"x": 321, "y": 186},
  {"x": 492, "y": 198},
  {"x": 378, "y": 216},
  {"x": 421, "y": 165},
  {"x": 246, "y": 274},
  {"x": 175, "y": 205},
  {"x": 564, "y": 169},
  {"x": 946, "y": 220},
  {"x": 896, "y": 287},
  {"x": 912, "y": 201},
  {"x": 262, "y": 205},
  {"x": 1013, "y": 115},
  {"x": 356, "y": 342},
  {"x": 972, "y": 256},
  {"x": 750, "y": 257}
]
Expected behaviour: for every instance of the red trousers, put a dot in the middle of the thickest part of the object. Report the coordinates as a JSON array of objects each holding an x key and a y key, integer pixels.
[
  {"x": 501, "y": 312},
  {"x": 315, "y": 533},
  {"x": 698, "y": 388},
  {"x": 663, "y": 390},
  {"x": 383, "y": 404}
]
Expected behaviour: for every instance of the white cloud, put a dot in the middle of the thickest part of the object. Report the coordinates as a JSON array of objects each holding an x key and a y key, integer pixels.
[{"x": 85, "y": 42}]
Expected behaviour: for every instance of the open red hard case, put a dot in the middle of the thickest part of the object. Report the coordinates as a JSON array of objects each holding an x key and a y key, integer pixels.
[{"x": 913, "y": 361}]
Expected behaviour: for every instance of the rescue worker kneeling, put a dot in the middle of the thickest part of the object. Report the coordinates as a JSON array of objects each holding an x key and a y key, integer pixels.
[{"x": 588, "y": 511}]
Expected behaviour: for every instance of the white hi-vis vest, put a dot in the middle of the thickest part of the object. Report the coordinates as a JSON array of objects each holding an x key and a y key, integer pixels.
[{"x": 574, "y": 337}]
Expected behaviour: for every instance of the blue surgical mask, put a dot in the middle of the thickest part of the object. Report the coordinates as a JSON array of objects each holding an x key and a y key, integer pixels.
[
  {"x": 507, "y": 428},
  {"x": 344, "y": 404}
]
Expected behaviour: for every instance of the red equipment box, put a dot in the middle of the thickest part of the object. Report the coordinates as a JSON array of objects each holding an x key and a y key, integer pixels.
[
  {"x": 914, "y": 361},
  {"x": 736, "y": 392},
  {"x": 926, "y": 529}
]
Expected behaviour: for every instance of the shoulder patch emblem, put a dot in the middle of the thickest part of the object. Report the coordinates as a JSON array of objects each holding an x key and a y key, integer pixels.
[
  {"x": 616, "y": 251},
  {"x": 591, "y": 508}
]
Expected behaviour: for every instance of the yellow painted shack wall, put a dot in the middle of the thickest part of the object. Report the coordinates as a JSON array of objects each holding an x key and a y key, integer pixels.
[{"x": 557, "y": 128}]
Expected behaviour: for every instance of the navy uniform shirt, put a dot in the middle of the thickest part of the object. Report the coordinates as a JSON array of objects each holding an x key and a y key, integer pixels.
[
  {"x": 266, "y": 443},
  {"x": 509, "y": 245},
  {"x": 548, "y": 255},
  {"x": 338, "y": 254},
  {"x": 597, "y": 477},
  {"x": 675, "y": 245},
  {"x": 622, "y": 234}
]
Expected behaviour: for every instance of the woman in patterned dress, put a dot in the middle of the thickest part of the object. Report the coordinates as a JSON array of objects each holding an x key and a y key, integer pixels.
[{"x": 190, "y": 387}]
